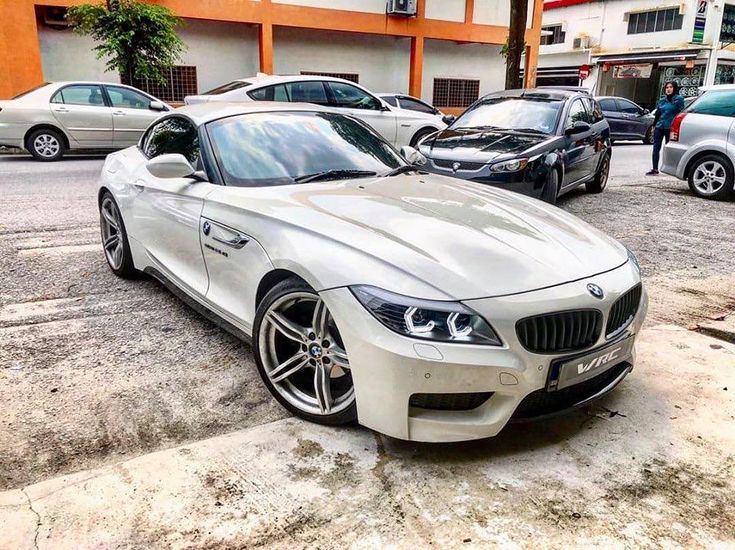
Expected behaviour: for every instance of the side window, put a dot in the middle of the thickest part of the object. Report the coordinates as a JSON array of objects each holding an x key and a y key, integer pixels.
[
  {"x": 307, "y": 92},
  {"x": 350, "y": 97},
  {"x": 172, "y": 135},
  {"x": 413, "y": 105},
  {"x": 270, "y": 93},
  {"x": 609, "y": 105},
  {"x": 80, "y": 94},
  {"x": 391, "y": 100},
  {"x": 628, "y": 107},
  {"x": 125, "y": 98},
  {"x": 715, "y": 102},
  {"x": 593, "y": 109},
  {"x": 577, "y": 112}
]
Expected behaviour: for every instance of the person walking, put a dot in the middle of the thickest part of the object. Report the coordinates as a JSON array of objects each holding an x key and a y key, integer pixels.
[{"x": 670, "y": 105}]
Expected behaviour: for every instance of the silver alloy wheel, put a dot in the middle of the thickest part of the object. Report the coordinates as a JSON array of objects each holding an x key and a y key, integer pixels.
[
  {"x": 112, "y": 238},
  {"x": 46, "y": 145},
  {"x": 604, "y": 172},
  {"x": 709, "y": 177},
  {"x": 303, "y": 355}
]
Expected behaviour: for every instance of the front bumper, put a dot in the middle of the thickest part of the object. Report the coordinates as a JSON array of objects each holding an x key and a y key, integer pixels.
[{"x": 388, "y": 369}]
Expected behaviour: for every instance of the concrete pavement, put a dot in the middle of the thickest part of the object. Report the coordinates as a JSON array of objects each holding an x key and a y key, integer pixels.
[{"x": 651, "y": 465}]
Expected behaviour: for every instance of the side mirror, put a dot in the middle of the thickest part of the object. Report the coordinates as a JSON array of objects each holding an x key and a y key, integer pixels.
[
  {"x": 448, "y": 119},
  {"x": 156, "y": 106},
  {"x": 413, "y": 156},
  {"x": 646, "y": 112},
  {"x": 579, "y": 127},
  {"x": 171, "y": 166}
]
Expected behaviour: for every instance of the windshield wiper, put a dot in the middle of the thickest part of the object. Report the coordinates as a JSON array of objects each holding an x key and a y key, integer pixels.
[
  {"x": 529, "y": 130},
  {"x": 334, "y": 174},
  {"x": 402, "y": 170},
  {"x": 485, "y": 127}
]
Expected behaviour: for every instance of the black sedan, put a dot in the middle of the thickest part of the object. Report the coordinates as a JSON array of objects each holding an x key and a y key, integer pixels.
[
  {"x": 627, "y": 120},
  {"x": 538, "y": 142}
]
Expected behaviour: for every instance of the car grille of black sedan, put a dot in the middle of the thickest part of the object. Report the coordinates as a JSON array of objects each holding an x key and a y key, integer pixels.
[
  {"x": 449, "y": 401},
  {"x": 560, "y": 332},
  {"x": 623, "y": 311},
  {"x": 542, "y": 402},
  {"x": 449, "y": 164}
]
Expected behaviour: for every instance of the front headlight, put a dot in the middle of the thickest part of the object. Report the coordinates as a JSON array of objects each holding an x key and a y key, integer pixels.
[
  {"x": 633, "y": 259},
  {"x": 426, "y": 319},
  {"x": 509, "y": 165}
]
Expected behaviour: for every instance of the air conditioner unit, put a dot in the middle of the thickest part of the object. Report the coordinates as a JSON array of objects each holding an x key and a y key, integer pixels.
[
  {"x": 405, "y": 8},
  {"x": 55, "y": 18},
  {"x": 581, "y": 43}
]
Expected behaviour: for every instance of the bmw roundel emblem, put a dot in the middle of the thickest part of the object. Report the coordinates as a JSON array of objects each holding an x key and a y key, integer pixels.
[
  {"x": 455, "y": 166},
  {"x": 595, "y": 290},
  {"x": 206, "y": 228}
]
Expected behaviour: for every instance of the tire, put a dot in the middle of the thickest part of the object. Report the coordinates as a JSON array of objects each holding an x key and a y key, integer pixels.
[
  {"x": 648, "y": 138},
  {"x": 293, "y": 355},
  {"x": 421, "y": 134},
  {"x": 550, "y": 192},
  {"x": 711, "y": 177},
  {"x": 46, "y": 145},
  {"x": 115, "y": 242},
  {"x": 599, "y": 182}
]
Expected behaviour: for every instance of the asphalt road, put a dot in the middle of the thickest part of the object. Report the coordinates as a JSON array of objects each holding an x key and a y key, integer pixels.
[{"x": 93, "y": 368}]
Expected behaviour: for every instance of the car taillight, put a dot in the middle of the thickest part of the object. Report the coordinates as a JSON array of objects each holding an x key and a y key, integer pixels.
[{"x": 676, "y": 126}]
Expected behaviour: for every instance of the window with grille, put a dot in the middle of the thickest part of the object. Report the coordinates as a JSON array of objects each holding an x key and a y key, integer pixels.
[
  {"x": 557, "y": 35},
  {"x": 655, "y": 21},
  {"x": 345, "y": 76},
  {"x": 455, "y": 92},
  {"x": 181, "y": 81}
]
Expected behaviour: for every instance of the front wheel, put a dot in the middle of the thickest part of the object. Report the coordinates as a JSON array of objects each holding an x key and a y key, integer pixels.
[
  {"x": 551, "y": 187},
  {"x": 599, "y": 182},
  {"x": 711, "y": 177},
  {"x": 421, "y": 134},
  {"x": 648, "y": 138},
  {"x": 115, "y": 239},
  {"x": 301, "y": 356}
]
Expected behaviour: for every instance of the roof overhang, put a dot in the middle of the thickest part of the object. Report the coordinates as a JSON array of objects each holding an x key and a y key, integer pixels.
[{"x": 647, "y": 57}]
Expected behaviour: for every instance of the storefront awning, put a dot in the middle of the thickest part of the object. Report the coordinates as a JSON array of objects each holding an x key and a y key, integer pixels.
[{"x": 644, "y": 57}]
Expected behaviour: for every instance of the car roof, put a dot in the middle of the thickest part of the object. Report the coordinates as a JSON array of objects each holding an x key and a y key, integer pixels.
[
  {"x": 613, "y": 97},
  {"x": 717, "y": 87},
  {"x": 541, "y": 93},
  {"x": 202, "y": 113},
  {"x": 261, "y": 79}
]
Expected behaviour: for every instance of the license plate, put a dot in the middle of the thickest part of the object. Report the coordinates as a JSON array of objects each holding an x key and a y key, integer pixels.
[{"x": 566, "y": 372}]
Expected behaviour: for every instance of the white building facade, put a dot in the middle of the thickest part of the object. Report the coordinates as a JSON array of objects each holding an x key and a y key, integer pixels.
[{"x": 629, "y": 48}]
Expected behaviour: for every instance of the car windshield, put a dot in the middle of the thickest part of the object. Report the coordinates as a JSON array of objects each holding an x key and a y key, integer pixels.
[
  {"x": 283, "y": 148},
  {"x": 514, "y": 113},
  {"x": 236, "y": 85},
  {"x": 31, "y": 90}
]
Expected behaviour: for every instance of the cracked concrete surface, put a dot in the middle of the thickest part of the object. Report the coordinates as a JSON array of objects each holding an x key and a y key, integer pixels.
[{"x": 660, "y": 472}]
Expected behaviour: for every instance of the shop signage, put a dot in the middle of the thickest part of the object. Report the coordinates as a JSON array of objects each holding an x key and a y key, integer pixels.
[
  {"x": 584, "y": 72},
  {"x": 638, "y": 70},
  {"x": 700, "y": 19}
]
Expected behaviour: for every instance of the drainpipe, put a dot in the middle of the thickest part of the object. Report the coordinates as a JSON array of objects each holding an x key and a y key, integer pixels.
[{"x": 709, "y": 74}]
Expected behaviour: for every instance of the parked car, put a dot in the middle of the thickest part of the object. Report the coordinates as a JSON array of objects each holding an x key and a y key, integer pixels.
[
  {"x": 399, "y": 126},
  {"x": 627, "y": 120},
  {"x": 416, "y": 304},
  {"x": 700, "y": 147},
  {"x": 539, "y": 142},
  {"x": 410, "y": 103},
  {"x": 57, "y": 117}
]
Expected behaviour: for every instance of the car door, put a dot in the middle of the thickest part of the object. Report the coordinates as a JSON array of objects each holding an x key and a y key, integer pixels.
[
  {"x": 614, "y": 117},
  {"x": 83, "y": 112},
  {"x": 131, "y": 115},
  {"x": 167, "y": 210},
  {"x": 632, "y": 118},
  {"x": 579, "y": 154},
  {"x": 354, "y": 101}
]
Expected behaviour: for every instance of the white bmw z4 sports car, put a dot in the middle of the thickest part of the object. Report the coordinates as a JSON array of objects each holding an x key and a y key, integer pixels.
[{"x": 424, "y": 307}]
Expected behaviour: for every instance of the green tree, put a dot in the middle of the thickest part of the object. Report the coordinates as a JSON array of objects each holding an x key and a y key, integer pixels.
[
  {"x": 138, "y": 40},
  {"x": 513, "y": 48}
]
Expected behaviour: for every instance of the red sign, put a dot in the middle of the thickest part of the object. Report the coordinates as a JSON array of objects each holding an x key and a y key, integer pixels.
[{"x": 584, "y": 72}]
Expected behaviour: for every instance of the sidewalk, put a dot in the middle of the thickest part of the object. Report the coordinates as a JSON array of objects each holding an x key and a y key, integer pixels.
[{"x": 652, "y": 464}]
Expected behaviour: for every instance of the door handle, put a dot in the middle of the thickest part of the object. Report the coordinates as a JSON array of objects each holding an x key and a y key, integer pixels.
[
  {"x": 118, "y": 113},
  {"x": 62, "y": 110},
  {"x": 238, "y": 241}
]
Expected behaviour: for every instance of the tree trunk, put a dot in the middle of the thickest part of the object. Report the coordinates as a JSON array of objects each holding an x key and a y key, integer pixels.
[{"x": 516, "y": 43}]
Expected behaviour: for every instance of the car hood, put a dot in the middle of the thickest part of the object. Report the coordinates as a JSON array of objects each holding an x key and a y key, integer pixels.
[
  {"x": 461, "y": 239},
  {"x": 479, "y": 145},
  {"x": 194, "y": 99}
]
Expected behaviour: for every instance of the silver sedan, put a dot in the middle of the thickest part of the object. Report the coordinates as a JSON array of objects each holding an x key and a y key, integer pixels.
[
  {"x": 425, "y": 307},
  {"x": 56, "y": 117}
]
